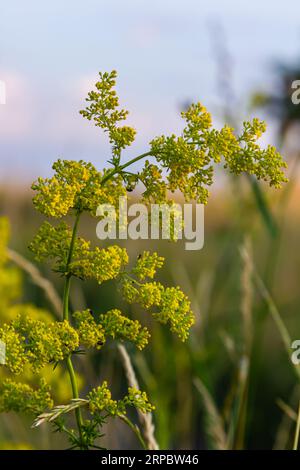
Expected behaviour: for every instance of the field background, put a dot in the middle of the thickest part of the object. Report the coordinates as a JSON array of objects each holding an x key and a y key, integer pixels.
[
  {"x": 212, "y": 278},
  {"x": 234, "y": 375}
]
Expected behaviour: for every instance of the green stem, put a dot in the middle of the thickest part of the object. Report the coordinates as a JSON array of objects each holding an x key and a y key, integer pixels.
[
  {"x": 66, "y": 297},
  {"x": 74, "y": 386},
  {"x": 120, "y": 168},
  {"x": 135, "y": 429},
  {"x": 74, "y": 234}
]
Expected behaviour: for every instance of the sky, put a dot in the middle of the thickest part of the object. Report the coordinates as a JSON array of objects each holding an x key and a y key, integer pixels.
[{"x": 166, "y": 53}]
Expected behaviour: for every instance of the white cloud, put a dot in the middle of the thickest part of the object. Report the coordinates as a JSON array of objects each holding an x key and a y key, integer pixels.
[{"x": 16, "y": 116}]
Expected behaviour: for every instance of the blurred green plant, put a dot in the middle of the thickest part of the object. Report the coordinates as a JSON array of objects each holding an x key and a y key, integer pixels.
[{"x": 77, "y": 188}]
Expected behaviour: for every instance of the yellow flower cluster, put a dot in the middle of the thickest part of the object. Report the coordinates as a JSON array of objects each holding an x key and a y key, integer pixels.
[
  {"x": 100, "y": 400},
  {"x": 147, "y": 265},
  {"x": 103, "y": 110},
  {"x": 15, "y": 359},
  {"x": 101, "y": 264},
  {"x": 93, "y": 333},
  {"x": 188, "y": 168},
  {"x": 174, "y": 306},
  {"x": 90, "y": 333},
  {"x": 147, "y": 294},
  {"x": 189, "y": 158},
  {"x": 36, "y": 343},
  {"x": 53, "y": 243},
  {"x": 118, "y": 326},
  {"x": 155, "y": 186},
  {"x": 246, "y": 155},
  {"x": 10, "y": 292},
  {"x": 175, "y": 309},
  {"x": 171, "y": 304},
  {"x": 21, "y": 397},
  {"x": 138, "y": 399},
  {"x": 75, "y": 185}
]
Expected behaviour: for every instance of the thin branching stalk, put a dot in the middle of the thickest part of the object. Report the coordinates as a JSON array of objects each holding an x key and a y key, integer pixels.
[{"x": 120, "y": 168}]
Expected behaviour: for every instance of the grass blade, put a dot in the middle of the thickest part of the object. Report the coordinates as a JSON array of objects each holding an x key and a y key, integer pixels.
[{"x": 215, "y": 428}]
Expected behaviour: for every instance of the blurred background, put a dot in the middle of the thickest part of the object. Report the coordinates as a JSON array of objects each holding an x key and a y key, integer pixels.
[{"x": 233, "y": 383}]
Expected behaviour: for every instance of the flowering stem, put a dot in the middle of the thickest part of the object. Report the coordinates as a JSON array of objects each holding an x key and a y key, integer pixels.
[
  {"x": 120, "y": 168},
  {"x": 66, "y": 296}
]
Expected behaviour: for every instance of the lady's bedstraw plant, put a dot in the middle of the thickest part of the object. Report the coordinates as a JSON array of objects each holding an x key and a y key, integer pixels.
[{"x": 184, "y": 163}]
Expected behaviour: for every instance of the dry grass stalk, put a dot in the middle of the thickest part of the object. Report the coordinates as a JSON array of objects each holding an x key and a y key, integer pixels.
[
  {"x": 37, "y": 279},
  {"x": 59, "y": 410},
  {"x": 215, "y": 426},
  {"x": 247, "y": 293},
  {"x": 146, "y": 422}
]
